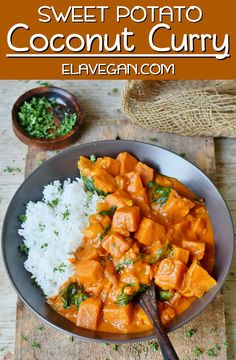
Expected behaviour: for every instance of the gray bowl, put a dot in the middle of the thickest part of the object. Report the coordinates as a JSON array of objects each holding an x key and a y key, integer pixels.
[{"x": 63, "y": 166}]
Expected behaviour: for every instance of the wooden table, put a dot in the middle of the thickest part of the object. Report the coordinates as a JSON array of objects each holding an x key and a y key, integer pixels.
[{"x": 95, "y": 96}]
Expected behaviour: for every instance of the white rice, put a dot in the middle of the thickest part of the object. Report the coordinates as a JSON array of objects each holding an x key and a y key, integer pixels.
[{"x": 50, "y": 238}]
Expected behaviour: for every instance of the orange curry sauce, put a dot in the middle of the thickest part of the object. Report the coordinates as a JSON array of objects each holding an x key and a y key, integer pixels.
[{"x": 149, "y": 227}]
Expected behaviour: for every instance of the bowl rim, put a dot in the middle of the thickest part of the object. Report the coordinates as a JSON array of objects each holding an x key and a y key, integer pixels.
[
  {"x": 134, "y": 339},
  {"x": 41, "y": 90}
]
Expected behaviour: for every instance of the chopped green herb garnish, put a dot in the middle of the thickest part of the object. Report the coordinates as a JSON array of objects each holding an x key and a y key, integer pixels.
[
  {"x": 37, "y": 118},
  {"x": 190, "y": 333},
  {"x": 10, "y": 170},
  {"x": 166, "y": 295},
  {"x": 109, "y": 212},
  {"x": 154, "y": 345},
  {"x": 73, "y": 295},
  {"x": 35, "y": 345},
  {"x": 154, "y": 139},
  {"x": 123, "y": 263},
  {"x": 161, "y": 195},
  {"x": 53, "y": 203},
  {"x": 197, "y": 351},
  {"x": 65, "y": 214},
  {"x": 22, "y": 218},
  {"x": 93, "y": 158},
  {"x": 115, "y": 347},
  {"x": 24, "y": 338},
  {"x": 56, "y": 232},
  {"x": 71, "y": 338},
  {"x": 217, "y": 346},
  {"x": 152, "y": 184},
  {"x": 44, "y": 83},
  {"x": 115, "y": 91},
  {"x": 60, "y": 268},
  {"x": 105, "y": 232},
  {"x": 213, "y": 330},
  {"x": 23, "y": 248},
  {"x": 41, "y": 327},
  {"x": 124, "y": 299},
  {"x": 41, "y": 226},
  {"x": 43, "y": 246},
  {"x": 89, "y": 185},
  {"x": 160, "y": 254},
  {"x": 226, "y": 344},
  {"x": 211, "y": 352},
  {"x": 41, "y": 162}
]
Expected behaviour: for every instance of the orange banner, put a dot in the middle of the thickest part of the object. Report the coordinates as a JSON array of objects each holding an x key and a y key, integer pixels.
[{"x": 118, "y": 39}]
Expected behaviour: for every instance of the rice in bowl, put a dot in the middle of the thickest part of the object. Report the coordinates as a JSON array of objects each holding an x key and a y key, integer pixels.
[{"x": 52, "y": 231}]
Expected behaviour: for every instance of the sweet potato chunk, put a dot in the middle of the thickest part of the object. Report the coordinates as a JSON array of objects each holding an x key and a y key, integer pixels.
[
  {"x": 85, "y": 166},
  {"x": 177, "y": 206},
  {"x": 87, "y": 253},
  {"x": 93, "y": 230},
  {"x": 196, "y": 248},
  {"x": 167, "y": 314},
  {"x": 89, "y": 271},
  {"x": 197, "y": 281},
  {"x": 150, "y": 232},
  {"x": 89, "y": 312},
  {"x": 143, "y": 272},
  {"x": 169, "y": 275},
  {"x": 127, "y": 162},
  {"x": 146, "y": 173},
  {"x": 115, "y": 244},
  {"x": 119, "y": 199},
  {"x": 127, "y": 217},
  {"x": 109, "y": 164},
  {"x": 180, "y": 254},
  {"x": 118, "y": 316},
  {"x": 104, "y": 181},
  {"x": 134, "y": 182}
]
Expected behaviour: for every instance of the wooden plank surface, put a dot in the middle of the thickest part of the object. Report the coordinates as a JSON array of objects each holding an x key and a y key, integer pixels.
[{"x": 53, "y": 343}]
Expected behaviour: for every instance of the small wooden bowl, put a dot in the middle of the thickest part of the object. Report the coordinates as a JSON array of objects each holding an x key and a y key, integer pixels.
[{"x": 62, "y": 97}]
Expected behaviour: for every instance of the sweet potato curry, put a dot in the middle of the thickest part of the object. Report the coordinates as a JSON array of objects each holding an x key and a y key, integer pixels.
[{"x": 149, "y": 227}]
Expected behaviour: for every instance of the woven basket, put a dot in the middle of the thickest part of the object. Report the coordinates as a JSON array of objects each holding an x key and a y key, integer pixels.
[{"x": 184, "y": 107}]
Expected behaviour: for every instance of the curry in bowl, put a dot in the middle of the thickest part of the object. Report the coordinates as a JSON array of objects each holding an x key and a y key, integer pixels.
[{"x": 146, "y": 227}]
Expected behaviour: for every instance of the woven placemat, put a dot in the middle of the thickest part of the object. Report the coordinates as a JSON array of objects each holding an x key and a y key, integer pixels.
[{"x": 184, "y": 107}]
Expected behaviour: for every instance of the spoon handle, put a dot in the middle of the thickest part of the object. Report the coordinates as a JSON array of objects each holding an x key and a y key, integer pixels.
[{"x": 148, "y": 304}]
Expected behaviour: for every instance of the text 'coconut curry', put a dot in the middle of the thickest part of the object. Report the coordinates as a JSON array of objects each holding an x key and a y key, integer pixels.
[{"x": 148, "y": 227}]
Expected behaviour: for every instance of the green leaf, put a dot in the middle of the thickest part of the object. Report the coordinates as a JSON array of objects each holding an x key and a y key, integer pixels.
[
  {"x": 53, "y": 203},
  {"x": 123, "y": 263},
  {"x": 190, "y": 333},
  {"x": 24, "y": 249},
  {"x": 73, "y": 295},
  {"x": 35, "y": 345},
  {"x": 93, "y": 158},
  {"x": 154, "y": 346},
  {"x": 22, "y": 218},
  {"x": 65, "y": 214},
  {"x": 211, "y": 352},
  {"x": 161, "y": 195},
  {"x": 43, "y": 246},
  {"x": 160, "y": 254},
  {"x": 109, "y": 212},
  {"x": 166, "y": 295},
  {"x": 197, "y": 351},
  {"x": 105, "y": 232},
  {"x": 60, "y": 268},
  {"x": 89, "y": 185},
  {"x": 124, "y": 299}
]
